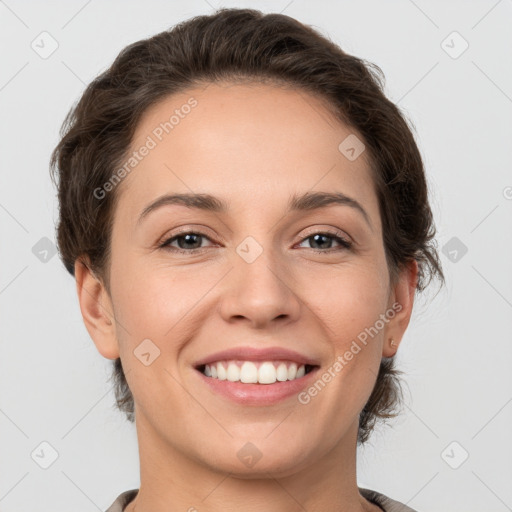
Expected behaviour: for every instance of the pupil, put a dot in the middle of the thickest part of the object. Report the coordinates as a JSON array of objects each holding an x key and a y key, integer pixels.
[
  {"x": 188, "y": 239},
  {"x": 315, "y": 238}
]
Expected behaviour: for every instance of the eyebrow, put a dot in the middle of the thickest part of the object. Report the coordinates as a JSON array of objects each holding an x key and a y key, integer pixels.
[{"x": 305, "y": 202}]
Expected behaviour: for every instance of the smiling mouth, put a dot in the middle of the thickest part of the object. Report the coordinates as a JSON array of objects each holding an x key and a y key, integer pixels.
[{"x": 255, "y": 372}]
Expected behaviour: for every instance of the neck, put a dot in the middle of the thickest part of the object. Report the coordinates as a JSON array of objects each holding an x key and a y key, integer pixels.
[{"x": 172, "y": 482}]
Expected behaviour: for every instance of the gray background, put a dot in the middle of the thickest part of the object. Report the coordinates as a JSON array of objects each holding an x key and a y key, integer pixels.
[{"x": 457, "y": 352}]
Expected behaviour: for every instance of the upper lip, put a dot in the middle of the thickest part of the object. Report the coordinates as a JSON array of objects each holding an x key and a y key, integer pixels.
[{"x": 257, "y": 354}]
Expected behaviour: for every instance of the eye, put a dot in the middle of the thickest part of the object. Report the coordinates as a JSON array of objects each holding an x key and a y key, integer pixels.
[
  {"x": 188, "y": 242},
  {"x": 320, "y": 240}
]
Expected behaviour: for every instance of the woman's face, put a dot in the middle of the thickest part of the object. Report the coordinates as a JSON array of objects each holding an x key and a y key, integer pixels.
[{"x": 260, "y": 287}]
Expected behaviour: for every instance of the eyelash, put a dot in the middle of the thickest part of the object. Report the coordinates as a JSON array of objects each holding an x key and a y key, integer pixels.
[{"x": 346, "y": 244}]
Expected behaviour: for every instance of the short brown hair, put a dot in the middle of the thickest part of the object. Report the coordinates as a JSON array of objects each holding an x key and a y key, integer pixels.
[{"x": 233, "y": 44}]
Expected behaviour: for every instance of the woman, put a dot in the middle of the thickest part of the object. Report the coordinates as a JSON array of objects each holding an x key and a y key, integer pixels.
[{"x": 247, "y": 220}]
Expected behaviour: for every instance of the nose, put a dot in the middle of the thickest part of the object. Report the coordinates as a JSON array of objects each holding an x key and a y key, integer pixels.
[{"x": 260, "y": 292}]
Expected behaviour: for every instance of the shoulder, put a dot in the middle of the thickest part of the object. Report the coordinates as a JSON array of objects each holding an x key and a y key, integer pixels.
[
  {"x": 122, "y": 500},
  {"x": 387, "y": 504}
]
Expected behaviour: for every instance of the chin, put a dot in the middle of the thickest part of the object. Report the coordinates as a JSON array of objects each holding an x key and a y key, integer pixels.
[{"x": 257, "y": 458}]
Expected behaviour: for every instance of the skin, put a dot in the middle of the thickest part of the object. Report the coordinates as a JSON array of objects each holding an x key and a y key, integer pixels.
[{"x": 253, "y": 145}]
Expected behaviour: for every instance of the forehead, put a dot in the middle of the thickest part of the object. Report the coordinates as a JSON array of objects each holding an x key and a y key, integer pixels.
[{"x": 245, "y": 143}]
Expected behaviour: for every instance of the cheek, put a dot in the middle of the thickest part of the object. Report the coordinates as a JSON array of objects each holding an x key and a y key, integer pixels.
[
  {"x": 152, "y": 307},
  {"x": 167, "y": 306},
  {"x": 351, "y": 306},
  {"x": 350, "y": 301},
  {"x": 351, "y": 312},
  {"x": 149, "y": 297},
  {"x": 358, "y": 321}
]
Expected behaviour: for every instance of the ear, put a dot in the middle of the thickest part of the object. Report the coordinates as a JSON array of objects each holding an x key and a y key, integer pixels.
[
  {"x": 402, "y": 298},
  {"x": 97, "y": 311}
]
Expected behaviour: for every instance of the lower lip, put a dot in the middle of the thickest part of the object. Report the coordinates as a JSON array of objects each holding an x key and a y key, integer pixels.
[{"x": 258, "y": 394}]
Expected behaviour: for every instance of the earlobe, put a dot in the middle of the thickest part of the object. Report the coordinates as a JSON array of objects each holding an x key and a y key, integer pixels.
[
  {"x": 403, "y": 298},
  {"x": 96, "y": 309}
]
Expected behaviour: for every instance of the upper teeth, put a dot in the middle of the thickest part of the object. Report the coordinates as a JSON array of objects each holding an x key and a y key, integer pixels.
[{"x": 264, "y": 372}]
